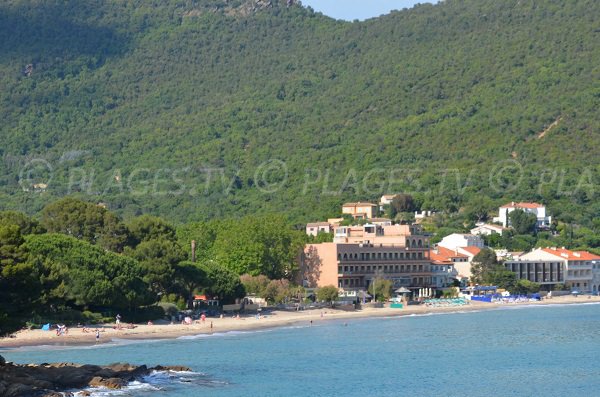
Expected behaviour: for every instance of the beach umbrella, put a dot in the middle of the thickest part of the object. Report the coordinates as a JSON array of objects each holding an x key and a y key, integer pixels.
[{"x": 402, "y": 290}]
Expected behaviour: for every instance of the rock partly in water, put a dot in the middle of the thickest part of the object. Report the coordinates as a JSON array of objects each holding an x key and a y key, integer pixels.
[{"x": 49, "y": 379}]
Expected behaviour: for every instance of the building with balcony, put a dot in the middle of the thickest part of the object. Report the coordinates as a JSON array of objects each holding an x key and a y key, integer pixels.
[
  {"x": 547, "y": 273},
  {"x": 360, "y": 210},
  {"x": 443, "y": 267},
  {"x": 361, "y": 254},
  {"x": 539, "y": 210},
  {"x": 578, "y": 266},
  {"x": 313, "y": 229}
]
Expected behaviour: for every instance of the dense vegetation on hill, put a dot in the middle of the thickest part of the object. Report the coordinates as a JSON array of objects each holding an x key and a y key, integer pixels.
[
  {"x": 82, "y": 263},
  {"x": 196, "y": 109}
]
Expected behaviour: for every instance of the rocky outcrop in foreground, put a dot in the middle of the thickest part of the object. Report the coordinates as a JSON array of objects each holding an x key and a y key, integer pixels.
[{"x": 48, "y": 380}]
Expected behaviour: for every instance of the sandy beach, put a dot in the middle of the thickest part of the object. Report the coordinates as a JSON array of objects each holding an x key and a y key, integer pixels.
[{"x": 108, "y": 332}]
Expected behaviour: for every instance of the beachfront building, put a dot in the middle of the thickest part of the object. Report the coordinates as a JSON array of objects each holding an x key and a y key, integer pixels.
[
  {"x": 547, "y": 273},
  {"x": 313, "y": 229},
  {"x": 361, "y": 254},
  {"x": 539, "y": 210},
  {"x": 596, "y": 277},
  {"x": 461, "y": 249},
  {"x": 360, "y": 210},
  {"x": 487, "y": 229},
  {"x": 456, "y": 240},
  {"x": 578, "y": 265},
  {"x": 442, "y": 266}
]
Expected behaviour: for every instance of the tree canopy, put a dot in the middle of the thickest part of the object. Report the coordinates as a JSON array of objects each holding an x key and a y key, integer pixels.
[{"x": 195, "y": 110}]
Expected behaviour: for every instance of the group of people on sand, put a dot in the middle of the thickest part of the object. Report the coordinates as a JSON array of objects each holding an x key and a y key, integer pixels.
[{"x": 61, "y": 330}]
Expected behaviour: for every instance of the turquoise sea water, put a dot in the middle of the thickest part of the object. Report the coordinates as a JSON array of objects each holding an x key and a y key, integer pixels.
[{"x": 515, "y": 351}]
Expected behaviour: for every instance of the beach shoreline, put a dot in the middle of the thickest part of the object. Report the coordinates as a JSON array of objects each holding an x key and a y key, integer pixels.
[{"x": 275, "y": 319}]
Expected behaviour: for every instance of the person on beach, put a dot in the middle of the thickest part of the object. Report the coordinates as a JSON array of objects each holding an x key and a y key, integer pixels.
[
  {"x": 97, "y": 335},
  {"x": 203, "y": 318}
]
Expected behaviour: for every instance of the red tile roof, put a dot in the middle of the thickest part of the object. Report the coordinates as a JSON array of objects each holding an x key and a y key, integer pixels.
[
  {"x": 444, "y": 254},
  {"x": 572, "y": 255},
  {"x": 442, "y": 263},
  {"x": 471, "y": 250},
  {"x": 522, "y": 205}
]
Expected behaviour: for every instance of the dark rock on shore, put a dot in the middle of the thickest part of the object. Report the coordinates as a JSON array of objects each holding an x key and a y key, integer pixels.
[{"x": 48, "y": 379}]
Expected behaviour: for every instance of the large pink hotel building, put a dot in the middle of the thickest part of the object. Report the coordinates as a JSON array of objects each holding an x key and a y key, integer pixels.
[{"x": 360, "y": 254}]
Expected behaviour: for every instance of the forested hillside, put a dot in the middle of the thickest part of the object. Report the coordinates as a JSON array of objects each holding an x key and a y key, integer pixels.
[{"x": 199, "y": 109}]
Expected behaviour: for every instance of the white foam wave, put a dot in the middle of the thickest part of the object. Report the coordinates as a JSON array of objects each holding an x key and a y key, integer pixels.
[
  {"x": 224, "y": 334},
  {"x": 135, "y": 386},
  {"x": 155, "y": 381}
]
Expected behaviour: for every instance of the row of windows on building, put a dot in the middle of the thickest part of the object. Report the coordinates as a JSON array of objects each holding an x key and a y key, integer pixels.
[
  {"x": 380, "y": 255},
  {"x": 417, "y": 243},
  {"x": 358, "y": 283},
  {"x": 384, "y": 268},
  {"x": 537, "y": 272},
  {"x": 580, "y": 273}
]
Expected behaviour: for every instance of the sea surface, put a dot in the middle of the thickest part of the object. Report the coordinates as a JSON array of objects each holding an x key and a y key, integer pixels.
[{"x": 513, "y": 351}]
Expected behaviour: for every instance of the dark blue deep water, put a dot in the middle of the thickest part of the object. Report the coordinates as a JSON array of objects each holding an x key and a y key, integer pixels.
[{"x": 516, "y": 351}]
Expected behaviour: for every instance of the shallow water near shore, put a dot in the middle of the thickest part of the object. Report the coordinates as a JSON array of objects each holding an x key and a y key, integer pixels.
[{"x": 543, "y": 350}]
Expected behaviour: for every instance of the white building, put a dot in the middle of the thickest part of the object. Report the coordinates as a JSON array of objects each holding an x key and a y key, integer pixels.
[
  {"x": 420, "y": 215},
  {"x": 386, "y": 199},
  {"x": 547, "y": 273},
  {"x": 581, "y": 268},
  {"x": 487, "y": 229},
  {"x": 443, "y": 274},
  {"x": 381, "y": 221},
  {"x": 313, "y": 229},
  {"x": 456, "y": 240},
  {"x": 444, "y": 267},
  {"x": 538, "y": 210}
]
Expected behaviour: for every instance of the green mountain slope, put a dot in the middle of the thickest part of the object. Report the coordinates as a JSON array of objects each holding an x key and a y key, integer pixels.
[{"x": 198, "y": 109}]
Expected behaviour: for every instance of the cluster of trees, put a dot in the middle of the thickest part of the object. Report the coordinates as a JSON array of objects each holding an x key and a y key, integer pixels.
[
  {"x": 273, "y": 291},
  {"x": 117, "y": 90},
  {"x": 486, "y": 270},
  {"x": 283, "y": 291},
  {"x": 80, "y": 257},
  {"x": 381, "y": 289},
  {"x": 523, "y": 235}
]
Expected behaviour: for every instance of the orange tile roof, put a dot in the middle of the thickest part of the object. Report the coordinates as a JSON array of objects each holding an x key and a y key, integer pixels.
[
  {"x": 471, "y": 250},
  {"x": 444, "y": 254},
  {"x": 572, "y": 255},
  {"x": 441, "y": 261},
  {"x": 522, "y": 205}
]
